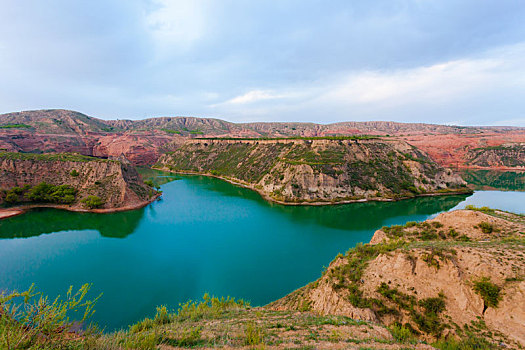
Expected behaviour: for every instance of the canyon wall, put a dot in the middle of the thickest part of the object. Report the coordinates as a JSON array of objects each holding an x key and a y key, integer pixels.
[
  {"x": 317, "y": 170},
  {"x": 116, "y": 183}
]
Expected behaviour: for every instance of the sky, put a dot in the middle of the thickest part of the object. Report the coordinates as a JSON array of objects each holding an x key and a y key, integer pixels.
[{"x": 437, "y": 61}]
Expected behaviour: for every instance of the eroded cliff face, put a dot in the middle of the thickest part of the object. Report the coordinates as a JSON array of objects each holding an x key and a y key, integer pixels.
[
  {"x": 427, "y": 276},
  {"x": 117, "y": 183},
  {"x": 317, "y": 170},
  {"x": 510, "y": 156}
]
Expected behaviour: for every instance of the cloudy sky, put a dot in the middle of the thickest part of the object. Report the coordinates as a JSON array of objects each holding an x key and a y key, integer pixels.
[{"x": 439, "y": 61}]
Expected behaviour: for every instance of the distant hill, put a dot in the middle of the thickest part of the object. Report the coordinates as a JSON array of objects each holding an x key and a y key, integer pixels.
[
  {"x": 56, "y": 121},
  {"x": 143, "y": 141}
]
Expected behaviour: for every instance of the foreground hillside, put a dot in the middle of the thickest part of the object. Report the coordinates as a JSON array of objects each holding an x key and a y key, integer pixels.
[
  {"x": 144, "y": 141},
  {"x": 453, "y": 282},
  {"x": 458, "y": 274},
  {"x": 317, "y": 170},
  {"x": 71, "y": 181}
]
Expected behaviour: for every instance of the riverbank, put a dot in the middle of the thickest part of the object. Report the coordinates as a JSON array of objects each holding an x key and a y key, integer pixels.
[
  {"x": 271, "y": 199},
  {"x": 443, "y": 278},
  {"x": 21, "y": 209}
]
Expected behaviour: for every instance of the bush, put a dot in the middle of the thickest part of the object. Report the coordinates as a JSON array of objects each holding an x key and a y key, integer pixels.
[
  {"x": 30, "y": 320},
  {"x": 74, "y": 173},
  {"x": 401, "y": 333},
  {"x": 489, "y": 292},
  {"x": 11, "y": 198},
  {"x": 44, "y": 192},
  {"x": 485, "y": 227},
  {"x": 433, "y": 305},
  {"x": 470, "y": 342},
  {"x": 253, "y": 334},
  {"x": 92, "y": 202}
]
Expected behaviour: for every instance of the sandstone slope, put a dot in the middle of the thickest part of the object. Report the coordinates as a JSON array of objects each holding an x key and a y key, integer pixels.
[
  {"x": 326, "y": 170},
  {"x": 459, "y": 274}
]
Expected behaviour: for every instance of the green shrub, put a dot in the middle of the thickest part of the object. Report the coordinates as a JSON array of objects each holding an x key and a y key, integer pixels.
[
  {"x": 30, "y": 320},
  {"x": 11, "y": 197},
  {"x": 162, "y": 316},
  {"x": 92, "y": 202},
  {"x": 401, "y": 333},
  {"x": 485, "y": 227},
  {"x": 453, "y": 233},
  {"x": 149, "y": 183},
  {"x": 187, "y": 338},
  {"x": 209, "y": 306},
  {"x": 253, "y": 334},
  {"x": 470, "y": 342},
  {"x": 141, "y": 326},
  {"x": 482, "y": 209},
  {"x": 74, "y": 173},
  {"x": 44, "y": 192},
  {"x": 489, "y": 292},
  {"x": 433, "y": 305},
  {"x": 18, "y": 190}
]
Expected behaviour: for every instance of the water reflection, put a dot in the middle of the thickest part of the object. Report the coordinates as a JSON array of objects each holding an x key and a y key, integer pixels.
[
  {"x": 42, "y": 221},
  {"x": 354, "y": 216},
  {"x": 491, "y": 179}
]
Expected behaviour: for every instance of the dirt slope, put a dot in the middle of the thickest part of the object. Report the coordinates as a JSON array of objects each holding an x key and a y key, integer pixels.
[{"x": 428, "y": 277}]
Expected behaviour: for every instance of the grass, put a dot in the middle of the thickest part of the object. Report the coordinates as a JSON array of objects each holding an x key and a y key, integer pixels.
[
  {"x": 469, "y": 342},
  {"x": 312, "y": 138},
  {"x": 170, "y": 131},
  {"x": 51, "y": 157},
  {"x": 15, "y": 126},
  {"x": 211, "y": 323},
  {"x": 29, "y": 320}
]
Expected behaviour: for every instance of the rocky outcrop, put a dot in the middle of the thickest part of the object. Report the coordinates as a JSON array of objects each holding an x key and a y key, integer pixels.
[
  {"x": 459, "y": 150},
  {"x": 117, "y": 184},
  {"x": 510, "y": 155},
  {"x": 317, "y": 170},
  {"x": 462, "y": 272}
]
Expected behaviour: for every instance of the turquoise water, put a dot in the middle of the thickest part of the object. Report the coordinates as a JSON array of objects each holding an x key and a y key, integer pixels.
[{"x": 205, "y": 235}]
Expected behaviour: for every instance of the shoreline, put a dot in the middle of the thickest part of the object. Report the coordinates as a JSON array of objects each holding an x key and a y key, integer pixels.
[
  {"x": 475, "y": 167},
  {"x": 21, "y": 209},
  {"x": 306, "y": 203}
]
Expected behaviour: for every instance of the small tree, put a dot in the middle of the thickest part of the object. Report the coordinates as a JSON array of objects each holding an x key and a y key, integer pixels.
[
  {"x": 92, "y": 202},
  {"x": 11, "y": 197},
  {"x": 74, "y": 173}
]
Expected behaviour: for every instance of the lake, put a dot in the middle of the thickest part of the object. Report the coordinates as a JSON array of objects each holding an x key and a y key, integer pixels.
[{"x": 205, "y": 235}]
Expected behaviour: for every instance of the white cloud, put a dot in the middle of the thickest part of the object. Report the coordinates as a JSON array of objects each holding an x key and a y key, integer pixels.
[
  {"x": 447, "y": 92},
  {"x": 256, "y": 96},
  {"x": 440, "y": 81},
  {"x": 178, "y": 22}
]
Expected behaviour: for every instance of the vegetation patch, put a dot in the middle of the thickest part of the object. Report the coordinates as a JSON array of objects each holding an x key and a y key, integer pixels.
[
  {"x": 92, "y": 202},
  {"x": 489, "y": 292},
  {"x": 41, "y": 193},
  {"x": 51, "y": 157},
  {"x": 15, "y": 126}
]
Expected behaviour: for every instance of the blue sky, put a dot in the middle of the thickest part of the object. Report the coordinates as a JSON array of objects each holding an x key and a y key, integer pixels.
[{"x": 438, "y": 61}]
